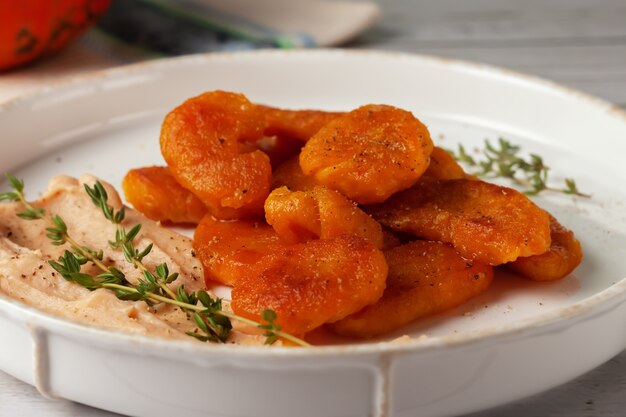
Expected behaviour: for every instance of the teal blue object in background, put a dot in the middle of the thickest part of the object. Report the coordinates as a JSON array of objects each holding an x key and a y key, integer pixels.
[{"x": 189, "y": 26}]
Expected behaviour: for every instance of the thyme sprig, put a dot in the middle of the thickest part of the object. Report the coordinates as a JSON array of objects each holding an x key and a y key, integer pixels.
[
  {"x": 503, "y": 160},
  {"x": 213, "y": 324}
]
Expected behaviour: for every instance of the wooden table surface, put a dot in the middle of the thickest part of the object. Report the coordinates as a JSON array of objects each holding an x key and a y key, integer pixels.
[{"x": 581, "y": 43}]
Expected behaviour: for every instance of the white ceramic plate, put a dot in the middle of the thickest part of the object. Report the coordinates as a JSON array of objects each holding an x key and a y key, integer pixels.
[{"x": 519, "y": 339}]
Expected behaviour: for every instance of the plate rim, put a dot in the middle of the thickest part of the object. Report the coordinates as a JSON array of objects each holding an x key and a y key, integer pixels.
[{"x": 600, "y": 303}]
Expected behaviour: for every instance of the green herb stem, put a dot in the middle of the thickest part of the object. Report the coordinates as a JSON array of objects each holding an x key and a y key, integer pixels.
[
  {"x": 503, "y": 161},
  {"x": 41, "y": 215},
  {"x": 164, "y": 287},
  {"x": 279, "y": 333},
  {"x": 85, "y": 254},
  {"x": 198, "y": 308},
  {"x": 209, "y": 316}
]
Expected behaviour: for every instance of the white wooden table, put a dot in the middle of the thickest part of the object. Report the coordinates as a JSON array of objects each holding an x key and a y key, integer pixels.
[{"x": 581, "y": 43}]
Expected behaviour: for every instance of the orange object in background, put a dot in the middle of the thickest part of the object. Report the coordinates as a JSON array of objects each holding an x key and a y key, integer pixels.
[{"x": 31, "y": 29}]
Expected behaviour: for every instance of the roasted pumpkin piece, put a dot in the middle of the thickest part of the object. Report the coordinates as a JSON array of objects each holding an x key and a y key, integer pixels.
[
  {"x": 390, "y": 240},
  {"x": 279, "y": 149},
  {"x": 209, "y": 143},
  {"x": 229, "y": 249},
  {"x": 484, "y": 222},
  {"x": 294, "y": 216},
  {"x": 369, "y": 153},
  {"x": 298, "y": 125},
  {"x": 320, "y": 213},
  {"x": 564, "y": 255},
  {"x": 443, "y": 166},
  {"x": 312, "y": 283},
  {"x": 290, "y": 175},
  {"x": 424, "y": 278},
  {"x": 155, "y": 193}
]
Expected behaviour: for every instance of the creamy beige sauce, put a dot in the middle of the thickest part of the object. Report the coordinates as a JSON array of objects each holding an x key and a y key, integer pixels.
[{"x": 26, "y": 276}]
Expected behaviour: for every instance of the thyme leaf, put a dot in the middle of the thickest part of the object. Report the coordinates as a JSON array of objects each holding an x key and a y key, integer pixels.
[
  {"x": 213, "y": 324},
  {"x": 503, "y": 160},
  {"x": 270, "y": 328}
]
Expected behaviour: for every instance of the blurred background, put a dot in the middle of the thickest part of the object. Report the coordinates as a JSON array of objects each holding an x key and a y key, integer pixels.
[{"x": 581, "y": 43}]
